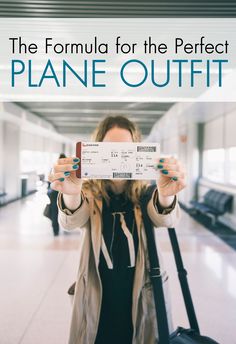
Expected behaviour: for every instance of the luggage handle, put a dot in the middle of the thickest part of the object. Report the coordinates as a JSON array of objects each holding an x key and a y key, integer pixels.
[{"x": 159, "y": 299}]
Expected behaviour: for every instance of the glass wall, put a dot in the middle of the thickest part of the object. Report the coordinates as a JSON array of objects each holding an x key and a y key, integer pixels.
[
  {"x": 36, "y": 161},
  {"x": 219, "y": 165},
  {"x": 219, "y": 150}
]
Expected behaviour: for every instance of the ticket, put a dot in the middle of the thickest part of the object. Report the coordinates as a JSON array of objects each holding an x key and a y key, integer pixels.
[{"x": 117, "y": 160}]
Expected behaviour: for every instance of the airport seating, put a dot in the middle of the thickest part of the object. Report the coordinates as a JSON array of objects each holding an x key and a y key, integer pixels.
[
  {"x": 2, "y": 197},
  {"x": 214, "y": 204}
]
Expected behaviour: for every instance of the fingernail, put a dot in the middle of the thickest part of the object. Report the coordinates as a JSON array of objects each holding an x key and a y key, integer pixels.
[
  {"x": 174, "y": 179},
  {"x": 160, "y": 166},
  {"x": 164, "y": 171},
  {"x": 76, "y": 160},
  {"x": 162, "y": 160},
  {"x": 61, "y": 179},
  {"x": 66, "y": 174},
  {"x": 75, "y": 167}
]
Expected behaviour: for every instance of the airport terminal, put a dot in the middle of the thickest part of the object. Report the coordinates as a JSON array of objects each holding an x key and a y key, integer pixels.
[
  {"x": 39, "y": 258},
  {"x": 39, "y": 267}
]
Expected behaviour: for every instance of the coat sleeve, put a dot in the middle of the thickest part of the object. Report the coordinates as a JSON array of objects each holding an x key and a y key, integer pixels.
[
  {"x": 71, "y": 220},
  {"x": 168, "y": 218}
]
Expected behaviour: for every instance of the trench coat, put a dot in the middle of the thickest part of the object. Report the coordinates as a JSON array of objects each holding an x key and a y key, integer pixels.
[{"x": 87, "y": 299}]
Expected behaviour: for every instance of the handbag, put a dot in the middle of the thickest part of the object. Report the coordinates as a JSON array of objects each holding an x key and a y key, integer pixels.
[
  {"x": 180, "y": 335},
  {"x": 48, "y": 211}
]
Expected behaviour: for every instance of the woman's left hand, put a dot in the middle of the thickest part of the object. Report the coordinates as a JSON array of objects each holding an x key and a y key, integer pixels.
[{"x": 172, "y": 177}]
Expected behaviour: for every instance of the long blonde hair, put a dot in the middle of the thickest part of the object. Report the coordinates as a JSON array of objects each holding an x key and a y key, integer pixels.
[{"x": 99, "y": 187}]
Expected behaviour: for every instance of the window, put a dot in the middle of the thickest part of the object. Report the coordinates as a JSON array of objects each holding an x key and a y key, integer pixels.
[
  {"x": 232, "y": 165},
  {"x": 219, "y": 165},
  {"x": 214, "y": 165},
  {"x": 40, "y": 162}
]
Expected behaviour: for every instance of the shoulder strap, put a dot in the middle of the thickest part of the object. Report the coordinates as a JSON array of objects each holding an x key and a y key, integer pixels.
[{"x": 155, "y": 275}]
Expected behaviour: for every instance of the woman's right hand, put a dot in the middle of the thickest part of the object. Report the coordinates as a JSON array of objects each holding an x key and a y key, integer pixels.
[{"x": 63, "y": 176}]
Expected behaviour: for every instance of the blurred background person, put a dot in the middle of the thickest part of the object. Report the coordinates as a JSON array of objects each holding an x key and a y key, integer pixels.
[{"x": 52, "y": 194}]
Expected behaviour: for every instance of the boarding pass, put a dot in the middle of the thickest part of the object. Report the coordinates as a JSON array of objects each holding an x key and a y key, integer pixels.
[{"x": 117, "y": 160}]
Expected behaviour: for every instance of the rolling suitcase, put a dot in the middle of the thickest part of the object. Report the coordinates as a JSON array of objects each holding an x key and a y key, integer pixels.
[{"x": 180, "y": 335}]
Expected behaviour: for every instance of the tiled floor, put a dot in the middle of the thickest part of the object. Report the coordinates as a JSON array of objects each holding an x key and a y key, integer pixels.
[{"x": 37, "y": 269}]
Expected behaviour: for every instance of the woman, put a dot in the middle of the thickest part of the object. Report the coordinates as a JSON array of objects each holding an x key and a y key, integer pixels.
[{"x": 113, "y": 301}]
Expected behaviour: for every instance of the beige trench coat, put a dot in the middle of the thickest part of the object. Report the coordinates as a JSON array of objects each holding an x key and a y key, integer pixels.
[{"x": 88, "y": 290}]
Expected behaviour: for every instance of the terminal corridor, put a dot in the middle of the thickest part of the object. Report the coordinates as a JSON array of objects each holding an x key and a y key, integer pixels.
[{"x": 37, "y": 269}]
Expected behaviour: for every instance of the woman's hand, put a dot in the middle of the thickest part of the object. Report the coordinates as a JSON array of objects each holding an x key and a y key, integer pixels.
[
  {"x": 63, "y": 176},
  {"x": 172, "y": 179}
]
